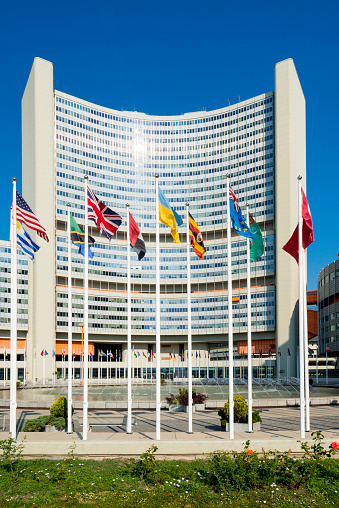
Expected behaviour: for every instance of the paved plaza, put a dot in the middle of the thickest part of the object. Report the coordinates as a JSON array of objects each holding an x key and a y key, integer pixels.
[{"x": 279, "y": 431}]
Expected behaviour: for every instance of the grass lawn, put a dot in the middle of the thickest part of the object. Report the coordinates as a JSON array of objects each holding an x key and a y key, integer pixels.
[{"x": 239, "y": 479}]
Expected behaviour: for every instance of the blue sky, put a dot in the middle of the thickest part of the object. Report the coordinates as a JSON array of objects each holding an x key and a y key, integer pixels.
[{"x": 173, "y": 57}]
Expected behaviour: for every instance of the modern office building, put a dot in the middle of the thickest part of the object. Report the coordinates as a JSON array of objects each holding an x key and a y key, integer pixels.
[
  {"x": 261, "y": 142},
  {"x": 328, "y": 310}
]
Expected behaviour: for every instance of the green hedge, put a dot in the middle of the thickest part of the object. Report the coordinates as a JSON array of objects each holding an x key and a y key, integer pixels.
[{"x": 39, "y": 424}]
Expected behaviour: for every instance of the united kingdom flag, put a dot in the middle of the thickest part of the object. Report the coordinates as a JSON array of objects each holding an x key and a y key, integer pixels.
[{"x": 106, "y": 220}]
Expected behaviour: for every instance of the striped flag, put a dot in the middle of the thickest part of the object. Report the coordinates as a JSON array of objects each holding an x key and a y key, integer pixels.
[
  {"x": 25, "y": 242},
  {"x": 25, "y": 215},
  {"x": 106, "y": 220},
  {"x": 196, "y": 238},
  {"x": 136, "y": 239}
]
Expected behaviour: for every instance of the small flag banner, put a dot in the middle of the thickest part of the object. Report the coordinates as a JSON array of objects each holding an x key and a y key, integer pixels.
[
  {"x": 25, "y": 215},
  {"x": 136, "y": 239},
  {"x": 25, "y": 242},
  {"x": 44, "y": 352},
  {"x": 238, "y": 222},
  {"x": 106, "y": 220},
  {"x": 168, "y": 216},
  {"x": 257, "y": 243},
  {"x": 196, "y": 237},
  {"x": 78, "y": 238}
]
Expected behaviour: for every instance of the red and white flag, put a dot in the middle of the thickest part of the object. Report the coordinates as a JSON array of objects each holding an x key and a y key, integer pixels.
[
  {"x": 292, "y": 246},
  {"x": 25, "y": 215}
]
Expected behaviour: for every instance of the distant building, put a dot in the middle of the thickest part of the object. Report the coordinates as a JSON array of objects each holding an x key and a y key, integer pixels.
[{"x": 328, "y": 309}]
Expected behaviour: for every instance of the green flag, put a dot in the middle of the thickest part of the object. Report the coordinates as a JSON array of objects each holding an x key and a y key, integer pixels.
[
  {"x": 257, "y": 244},
  {"x": 78, "y": 238}
]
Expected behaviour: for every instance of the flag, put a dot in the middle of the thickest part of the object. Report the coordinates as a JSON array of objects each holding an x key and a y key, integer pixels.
[
  {"x": 91, "y": 356},
  {"x": 260, "y": 353},
  {"x": 136, "y": 356},
  {"x": 170, "y": 355},
  {"x": 136, "y": 239},
  {"x": 25, "y": 242},
  {"x": 310, "y": 351},
  {"x": 44, "y": 352},
  {"x": 74, "y": 355},
  {"x": 288, "y": 352},
  {"x": 257, "y": 243},
  {"x": 292, "y": 246},
  {"x": 78, "y": 238},
  {"x": 168, "y": 216},
  {"x": 101, "y": 353},
  {"x": 196, "y": 237},
  {"x": 109, "y": 353},
  {"x": 53, "y": 353},
  {"x": 279, "y": 352},
  {"x": 238, "y": 222},
  {"x": 25, "y": 215},
  {"x": 270, "y": 352},
  {"x": 328, "y": 349},
  {"x": 106, "y": 220},
  {"x": 196, "y": 354}
]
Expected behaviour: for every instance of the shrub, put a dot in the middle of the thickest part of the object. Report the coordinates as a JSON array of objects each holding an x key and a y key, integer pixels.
[
  {"x": 39, "y": 424},
  {"x": 170, "y": 399},
  {"x": 182, "y": 397},
  {"x": 240, "y": 412},
  {"x": 60, "y": 408}
]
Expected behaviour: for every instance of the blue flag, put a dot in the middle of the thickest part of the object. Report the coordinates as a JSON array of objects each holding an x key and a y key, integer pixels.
[{"x": 238, "y": 222}]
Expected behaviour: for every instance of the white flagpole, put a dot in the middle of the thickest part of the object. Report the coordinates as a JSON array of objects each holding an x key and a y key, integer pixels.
[
  {"x": 301, "y": 317},
  {"x": 189, "y": 327},
  {"x": 43, "y": 367},
  {"x": 157, "y": 312},
  {"x": 4, "y": 367},
  {"x": 278, "y": 363},
  {"x": 298, "y": 362},
  {"x": 69, "y": 334},
  {"x": 14, "y": 283},
  {"x": 129, "y": 332},
  {"x": 230, "y": 315},
  {"x": 25, "y": 367},
  {"x": 249, "y": 329},
  {"x": 307, "y": 380},
  {"x": 326, "y": 368},
  {"x": 85, "y": 397},
  {"x": 317, "y": 378}
]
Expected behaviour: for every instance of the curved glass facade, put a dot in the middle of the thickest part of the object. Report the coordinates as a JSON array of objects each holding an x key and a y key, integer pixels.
[{"x": 121, "y": 152}]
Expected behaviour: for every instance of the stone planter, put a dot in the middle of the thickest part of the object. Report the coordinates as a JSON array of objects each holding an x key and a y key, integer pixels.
[
  {"x": 200, "y": 407},
  {"x": 178, "y": 408},
  {"x": 51, "y": 428},
  {"x": 241, "y": 427}
]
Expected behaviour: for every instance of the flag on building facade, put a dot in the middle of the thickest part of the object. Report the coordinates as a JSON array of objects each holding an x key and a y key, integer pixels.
[
  {"x": 196, "y": 237},
  {"x": 25, "y": 215},
  {"x": 292, "y": 246},
  {"x": 106, "y": 220},
  {"x": 168, "y": 216},
  {"x": 78, "y": 238},
  {"x": 257, "y": 243},
  {"x": 136, "y": 239},
  {"x": 25, "y": 242},
  {"x": 238, "y": 222}
]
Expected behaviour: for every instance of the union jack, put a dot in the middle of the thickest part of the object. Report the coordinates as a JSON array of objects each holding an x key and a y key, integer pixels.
[
  {"x": 25, "y": 215},
  {"x": 106, "y": 220},
  {"x": 234, "y": 199}
]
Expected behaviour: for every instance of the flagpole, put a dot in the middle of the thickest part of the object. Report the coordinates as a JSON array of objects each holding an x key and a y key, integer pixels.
[
  {"x": 317, "y": 378},
  {"x": 69, "y": 332},
  {"x": 278, "y": 363},
  {"x": 157, "y": 312},
  {"x": 25, "y": 367},
  {"x": 249, "y": 329},
  {"x": 129, "y": 331},
  {"x": 43, "y": 368},
  {"x": 14, "y": 304},
  {"x": 189, "y": 326},
  {"x": 307, "y": 380},
  {"x": 301, "y": 316},
  {"x": 4, "y": 367},
  {"x": 326, "y": 368},
  {"x": 85, "y": 396},
  {"x": 230, "y": 317}
]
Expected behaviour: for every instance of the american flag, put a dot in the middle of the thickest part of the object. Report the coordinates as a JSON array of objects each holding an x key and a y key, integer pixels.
[
  {"x": 25, "y": 215},
  {"x": 107, "y": 220}
]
